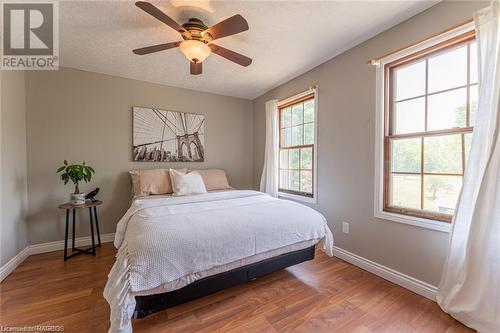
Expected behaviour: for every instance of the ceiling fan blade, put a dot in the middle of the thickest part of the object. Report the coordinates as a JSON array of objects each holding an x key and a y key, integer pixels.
[
  {"x": 155, "y": 12},
  {"x": 233, "y": 25},
  {"x": 240, "y": 59},
  {"x": 155, "y": 48},
  {"x": 195, "y": 68}
]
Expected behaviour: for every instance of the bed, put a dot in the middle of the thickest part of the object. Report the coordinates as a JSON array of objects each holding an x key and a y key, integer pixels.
[{"x": 174, "y": 249}]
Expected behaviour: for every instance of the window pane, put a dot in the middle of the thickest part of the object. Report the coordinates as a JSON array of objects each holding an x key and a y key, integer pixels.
[
  {"x": 284, "y": 159},
  {"x": 309, "y": 111},
  {"x": 286, "y": 137},
  {"x": 448, "y": 70},
  {"x": 447, "y": 110},
  {"x": 309, "y": 134},
  {"x": 297, "y": 114},
  {"x": 443, "y": 154},
  {"x": 297, "y": 133},
  {"x": 410, "y": 116},
  {"x": 441, "y": 193},
  {"x": 284, "y": 179},
  {"x": 306, "y": 181},
  {"x": 473, "y": 104},
  {"x": 286, "y": 117},
  {"x": 306, "y": 158},
  {"x": 410, "y": 81},
  {"x": 406, "y": 155},
  {"x": 467, "y": 139},
  {"x": 294, "y": 180},
  {"x": 474, "y": 65},
  {"x": 405, "y": 191},
  {"x": 294, "y": 158}
]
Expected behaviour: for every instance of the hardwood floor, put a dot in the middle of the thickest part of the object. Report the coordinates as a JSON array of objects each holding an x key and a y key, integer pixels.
[{"x": 323, "y": 295}]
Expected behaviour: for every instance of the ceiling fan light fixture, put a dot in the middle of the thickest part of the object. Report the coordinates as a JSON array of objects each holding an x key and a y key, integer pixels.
[
  {"x": 197, "y": 44},
  {"x": 195, "y": 50}
]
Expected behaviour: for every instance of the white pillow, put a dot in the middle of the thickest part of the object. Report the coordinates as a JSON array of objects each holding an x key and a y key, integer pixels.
[{"x": 187, "y": 183}]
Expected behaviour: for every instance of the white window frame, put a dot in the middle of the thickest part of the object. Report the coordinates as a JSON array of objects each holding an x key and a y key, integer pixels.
[
  {"x": 379, "y": 130},
  {"x": 296, "y": 197}
]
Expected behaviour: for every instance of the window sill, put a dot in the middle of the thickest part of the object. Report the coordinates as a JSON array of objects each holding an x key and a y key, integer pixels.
[
  {"x": 414, "y": 221},
  {"x": 296, "y": 197}
]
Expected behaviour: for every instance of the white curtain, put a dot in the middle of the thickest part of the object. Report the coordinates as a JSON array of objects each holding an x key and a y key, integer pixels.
[
  {"x": 269, "y": 180},
  {"x": 470, "y": 286}
]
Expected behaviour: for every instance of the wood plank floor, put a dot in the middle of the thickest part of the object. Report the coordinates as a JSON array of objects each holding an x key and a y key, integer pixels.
[{"x": 323, "y": 295}]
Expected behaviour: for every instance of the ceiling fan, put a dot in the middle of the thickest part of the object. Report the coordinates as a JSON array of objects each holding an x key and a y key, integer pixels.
[{"x": 197, "y": 44}]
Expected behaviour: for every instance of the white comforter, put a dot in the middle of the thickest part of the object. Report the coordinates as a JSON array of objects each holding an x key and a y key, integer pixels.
[{"x": 168, "y": 242}]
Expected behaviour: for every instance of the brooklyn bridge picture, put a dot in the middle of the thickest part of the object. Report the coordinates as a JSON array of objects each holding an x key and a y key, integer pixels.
[{"x": 168, "y": 136}]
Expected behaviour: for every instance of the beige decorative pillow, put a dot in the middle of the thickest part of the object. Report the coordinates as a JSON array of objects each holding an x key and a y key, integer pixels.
[
  {"x": 215, "y": 179},
  {"x": 154, "y": 181}
]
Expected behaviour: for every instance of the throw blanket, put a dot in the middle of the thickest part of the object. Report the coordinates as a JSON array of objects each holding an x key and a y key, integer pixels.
[{"x": 164, "y": 243}]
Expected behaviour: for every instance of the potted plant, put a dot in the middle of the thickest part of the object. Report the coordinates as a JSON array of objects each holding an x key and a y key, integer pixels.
[{"x": 76, "y": 173}]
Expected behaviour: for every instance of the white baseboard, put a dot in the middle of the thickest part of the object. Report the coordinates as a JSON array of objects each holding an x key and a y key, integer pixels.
[
  {"x": 13, "y": 263},
  {"x": 6, "y": 269},
  {"x": 417, "y": 286},
  {"x": 59, "y": 245}
]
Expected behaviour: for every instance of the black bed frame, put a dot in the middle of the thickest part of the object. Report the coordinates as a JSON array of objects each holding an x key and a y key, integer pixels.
[{"x": 146, "y": 305}]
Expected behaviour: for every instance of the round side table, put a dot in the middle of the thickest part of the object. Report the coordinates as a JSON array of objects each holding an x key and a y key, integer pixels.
[{"x": 92, "y": 207}]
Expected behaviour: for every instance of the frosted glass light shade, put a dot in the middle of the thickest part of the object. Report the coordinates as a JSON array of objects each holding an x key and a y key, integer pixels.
[{"x": 195, "y": 50}]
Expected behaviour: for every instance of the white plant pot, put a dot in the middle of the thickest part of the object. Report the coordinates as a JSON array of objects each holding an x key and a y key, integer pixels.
[{"x": 77, "y": 198}]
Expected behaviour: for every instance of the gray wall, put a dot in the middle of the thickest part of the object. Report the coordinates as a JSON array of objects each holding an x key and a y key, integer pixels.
[
  {"x": 13, "y": 195},
  {"x": 346, "y": 147},
  {"x": 83, "y": 116}
]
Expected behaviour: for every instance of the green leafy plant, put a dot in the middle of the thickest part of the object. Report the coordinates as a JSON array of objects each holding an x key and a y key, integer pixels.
[{"x": 76, "y": 173}]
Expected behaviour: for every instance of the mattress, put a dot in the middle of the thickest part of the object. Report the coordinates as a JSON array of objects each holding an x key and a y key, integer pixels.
[{"x": 185, "y": 280}]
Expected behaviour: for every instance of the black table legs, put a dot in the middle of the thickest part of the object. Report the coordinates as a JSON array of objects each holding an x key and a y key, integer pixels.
[
  {"x": 97, "y": 227},
  {"x": 92, "y": 230},
  {"x": 75, "y": 250},
  {"x": 73, "y": 240},
  {"x": 66, "y": 236}
]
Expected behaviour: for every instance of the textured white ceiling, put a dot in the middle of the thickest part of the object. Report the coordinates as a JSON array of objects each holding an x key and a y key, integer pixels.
[{"x": 286, "y": 39}]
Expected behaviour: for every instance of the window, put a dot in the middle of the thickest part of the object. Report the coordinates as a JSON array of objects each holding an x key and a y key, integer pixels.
[
  {"x": 429, "y": 103},
  {"x": 430, "y": 114},
  {"x": 297, "y": 126}
]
